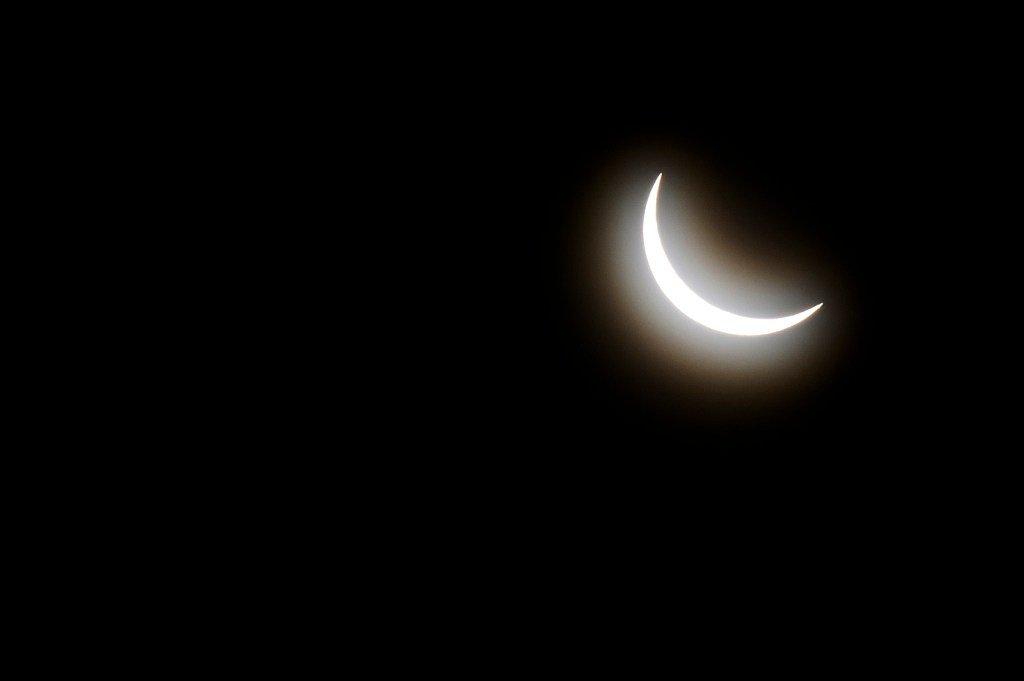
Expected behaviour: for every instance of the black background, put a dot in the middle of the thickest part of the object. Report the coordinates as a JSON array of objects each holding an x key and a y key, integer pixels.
[{"x": 370, "y": 338}]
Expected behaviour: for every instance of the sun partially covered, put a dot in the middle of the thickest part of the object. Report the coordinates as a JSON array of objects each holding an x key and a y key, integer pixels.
[{"x": 692, "y": 305}]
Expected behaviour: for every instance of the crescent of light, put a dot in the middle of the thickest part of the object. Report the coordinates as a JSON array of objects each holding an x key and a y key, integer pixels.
[{"x": 692, "y": 305}]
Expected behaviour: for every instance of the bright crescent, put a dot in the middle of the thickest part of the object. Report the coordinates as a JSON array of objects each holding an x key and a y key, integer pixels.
[{"x": 692, "y": 305}]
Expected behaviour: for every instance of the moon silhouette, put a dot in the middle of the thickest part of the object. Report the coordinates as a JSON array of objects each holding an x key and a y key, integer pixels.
[{"x": 692, "y": 305}]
